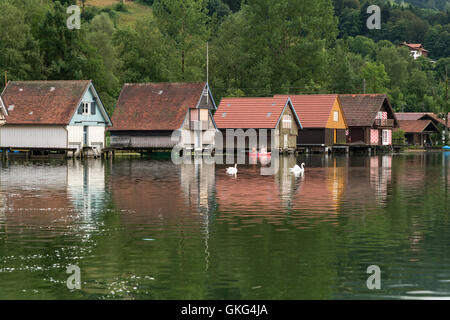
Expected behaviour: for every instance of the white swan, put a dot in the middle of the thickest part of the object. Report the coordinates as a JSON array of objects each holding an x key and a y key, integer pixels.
[
  {"x": 232, "y": 170},
  {"x": 298, "y": 170}
]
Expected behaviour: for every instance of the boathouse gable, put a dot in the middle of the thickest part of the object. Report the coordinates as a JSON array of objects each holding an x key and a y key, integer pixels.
[{"x": 95, "y": 114}]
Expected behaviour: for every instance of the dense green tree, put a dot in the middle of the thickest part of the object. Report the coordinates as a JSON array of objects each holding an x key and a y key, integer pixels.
[
  {"x": 376, "y": 77},
  {"x": 144, "y": 55},
  {"x": 362, "y": 45},
  {"x": 66, "y": 53},
  {"x": 437, "y": 40},
  {"x": 185, "y": 25},
  {"x": 100, "y": 36},
  {"x": 19, "y": 53}
]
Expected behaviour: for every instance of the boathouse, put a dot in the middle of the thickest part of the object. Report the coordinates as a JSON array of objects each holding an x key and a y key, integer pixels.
[
  {"x": 411, "y": 116},
  {"x": 323, "y": 121},
  {"x": 161, "y": 115},
  {"x": 370, "y": 119},
  {"x": 53, "y": 116},
  {"x": 277, "y": 113},
  {"x": 419, "y": 132}
]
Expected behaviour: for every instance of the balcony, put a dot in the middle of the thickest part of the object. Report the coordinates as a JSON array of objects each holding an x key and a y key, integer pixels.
[{"x": 384, "y": 123}]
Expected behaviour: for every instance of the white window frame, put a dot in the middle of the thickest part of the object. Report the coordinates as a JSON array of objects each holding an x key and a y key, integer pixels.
[
  {"x": 336, "y": 116},
  {"x": 287, "y": 121},
  {"x": 385, "y": 137},
  {"x": 86, "y": 108}
]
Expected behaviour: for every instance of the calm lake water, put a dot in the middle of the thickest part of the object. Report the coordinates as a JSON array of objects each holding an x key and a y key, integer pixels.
[{"x": 148, "y": 229}]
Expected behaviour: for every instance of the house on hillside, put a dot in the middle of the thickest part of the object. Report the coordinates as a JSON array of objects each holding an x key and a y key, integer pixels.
[
  {"x": 418, "y": 132},
  {"x": 370, "y": 119},
  {"x": 53, "y": 115},
  {"x": 276, "y": 113},
  {"x": 323, "y": 120},
  {"x": 161, "y": 115},
  {"x": 416, "y": 49}
]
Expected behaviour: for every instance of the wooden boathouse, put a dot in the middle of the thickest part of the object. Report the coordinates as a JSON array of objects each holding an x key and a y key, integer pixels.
[
  {"x": 276, "y": 113},
  {"x": 419, "y": 132},
  {"x": 370, "y": 120},
  {"x": 159, "y": 116},
  {"x": 63, "y": 116},
  {"x": 323, "y": 121}
]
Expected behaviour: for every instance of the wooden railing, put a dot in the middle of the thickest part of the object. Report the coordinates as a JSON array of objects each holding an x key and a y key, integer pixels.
[{"x": 384, "y": 122}]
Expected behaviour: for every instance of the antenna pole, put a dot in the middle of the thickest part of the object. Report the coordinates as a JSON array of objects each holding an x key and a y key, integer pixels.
[
  {"x": 6, "y": 78},
  {"x": 207, "y": 71}
]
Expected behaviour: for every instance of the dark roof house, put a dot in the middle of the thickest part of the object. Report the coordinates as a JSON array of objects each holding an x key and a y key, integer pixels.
[
  {"x": 370, "y": 118},
  {"x": 418, "y": 132},
  {"x": 147, "y": 114}
]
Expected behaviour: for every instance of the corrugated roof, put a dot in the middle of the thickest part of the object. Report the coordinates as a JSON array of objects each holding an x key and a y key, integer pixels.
[
  {"x": 313, "y": 109},
  {"x": 415, "y": 126},
  {"x": 361, "y": 109},
  {"x": 42, "y": 102},
  {"x": 155, "y": 106},
  {"x": 246, "y": 113}
]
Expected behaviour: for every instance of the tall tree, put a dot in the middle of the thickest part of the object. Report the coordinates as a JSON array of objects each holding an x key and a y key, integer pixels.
[
  {"x": 19, "y": 53},
  {"x": 185, "y": 25}
]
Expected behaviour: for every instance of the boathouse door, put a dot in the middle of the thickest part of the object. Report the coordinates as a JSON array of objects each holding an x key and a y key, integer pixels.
[{"x": 385, "y": 137}]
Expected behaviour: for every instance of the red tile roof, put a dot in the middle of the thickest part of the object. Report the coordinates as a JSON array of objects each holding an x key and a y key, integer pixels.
[
  {"x": 414, "y": 46},
  {"x": 155, "y": 106},
  {"x": 361, "y": 109},
  {"x": 313, "y": 109},
  {"x": 43, "y": 102},
  {"x": 246, "y": 113},
  {"x": 415, "y": 126}
]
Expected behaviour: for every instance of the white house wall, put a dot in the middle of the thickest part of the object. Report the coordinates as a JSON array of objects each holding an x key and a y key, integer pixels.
[
  {"x": 33, "y": 136},
  {"x": 96, "y": 137},
  {"x": 75, "y": 136}
]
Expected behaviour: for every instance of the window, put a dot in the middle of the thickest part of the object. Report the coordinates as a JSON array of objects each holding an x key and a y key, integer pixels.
[
  {"x": 204, "y": 114},
  {"x": 336, "y": 116},
  {"x": 194, "y": 114},
  {"x": 287, "y": 122},
  {"x": 86, "y": 107},
  {"x": 380, "y": 115}
]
